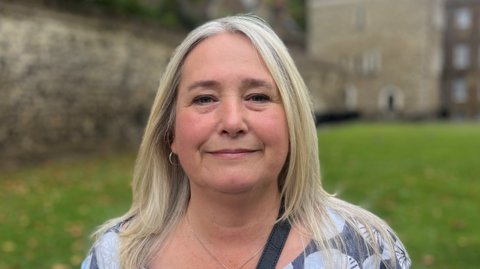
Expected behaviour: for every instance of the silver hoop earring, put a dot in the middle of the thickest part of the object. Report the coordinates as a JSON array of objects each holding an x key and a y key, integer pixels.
[{"x": 170, "y": 159}]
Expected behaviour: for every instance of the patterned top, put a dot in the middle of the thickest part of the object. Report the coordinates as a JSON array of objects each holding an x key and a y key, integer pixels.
[{"x": 104, "y": 254}]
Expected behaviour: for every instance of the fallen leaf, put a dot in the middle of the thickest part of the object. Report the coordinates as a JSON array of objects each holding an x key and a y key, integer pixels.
[
  {"x": 428, "y": 260},
  {"x": 462, "y": 242},
  {"x": 75, "y": 260},
  {"x": 60, "y": 266},
  {"x": 32, "y": 243},
  {"x": 458, "y": 224},
  {"x": 76, "y": 230},
  {"x": 8, "y": 246}
]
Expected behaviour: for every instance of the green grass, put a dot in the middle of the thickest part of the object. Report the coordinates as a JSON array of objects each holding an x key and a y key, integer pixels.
[
  {"x": 48, "y": 212},
  {"x": 421, "y": 178}
]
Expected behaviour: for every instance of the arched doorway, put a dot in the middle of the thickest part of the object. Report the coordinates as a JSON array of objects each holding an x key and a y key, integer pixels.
[{"x": 391, "y": 100}]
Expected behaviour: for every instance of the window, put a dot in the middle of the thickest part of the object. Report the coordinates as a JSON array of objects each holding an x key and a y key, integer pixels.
[
  {"x": 437, "y": 60},
  {"x": 463, "y": 18},
  {"x": 360, "y": 18},
  {"x": 350, "y": 97},
  {"x": 367, "y": 63},
  {"x": 371, "y": 63},
  {"x": 461, "y": 56},
  {"x": 358, "y": 64},
  {"x": 438, "y": 17},
  {"x": 460, "y": 90}
]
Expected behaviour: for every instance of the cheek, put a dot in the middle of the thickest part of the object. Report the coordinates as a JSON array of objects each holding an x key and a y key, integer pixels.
[
  {"x": 275, "y": 131},
  {"x": 189, "y": 130}
]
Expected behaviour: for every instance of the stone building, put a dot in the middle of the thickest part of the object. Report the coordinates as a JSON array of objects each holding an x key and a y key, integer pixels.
[
  {"x": 393, "y": 49},
  {"x": 461, "y": 80}
]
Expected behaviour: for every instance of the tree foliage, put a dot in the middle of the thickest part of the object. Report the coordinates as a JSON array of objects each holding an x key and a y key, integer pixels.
[
  {"x": 172, "y": 13},
  {"x": 165, "y": 12},
  {"x": 296, "y": 9}
]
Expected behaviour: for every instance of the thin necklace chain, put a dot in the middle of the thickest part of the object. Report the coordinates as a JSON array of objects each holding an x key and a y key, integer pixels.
[{"x": 198, "y": 239}]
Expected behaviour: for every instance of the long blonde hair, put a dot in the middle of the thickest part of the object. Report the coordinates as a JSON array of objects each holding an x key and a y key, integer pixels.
[{"x": 161, "y": 190}]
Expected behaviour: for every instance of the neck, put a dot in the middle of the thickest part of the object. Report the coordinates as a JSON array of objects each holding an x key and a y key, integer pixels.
[{"x": 232, "y": 219}]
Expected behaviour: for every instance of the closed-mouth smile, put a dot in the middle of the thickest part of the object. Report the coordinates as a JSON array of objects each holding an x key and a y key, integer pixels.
[{"x": 232, "y": 153}]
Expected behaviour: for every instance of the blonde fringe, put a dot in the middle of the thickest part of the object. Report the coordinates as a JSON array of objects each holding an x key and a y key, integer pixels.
[{"x": 161, "y": 191}]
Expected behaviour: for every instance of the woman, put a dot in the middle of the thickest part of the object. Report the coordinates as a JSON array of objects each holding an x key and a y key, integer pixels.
[{"x": 230, "y": 150}]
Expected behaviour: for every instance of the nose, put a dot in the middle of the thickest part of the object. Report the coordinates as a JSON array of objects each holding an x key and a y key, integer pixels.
[{"x": 233, "y": 116}]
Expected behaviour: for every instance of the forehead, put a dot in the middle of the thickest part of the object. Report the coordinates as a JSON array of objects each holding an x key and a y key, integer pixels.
[
  {"x": 221, "y": 42},
  {"x": 214, "y": 55}
]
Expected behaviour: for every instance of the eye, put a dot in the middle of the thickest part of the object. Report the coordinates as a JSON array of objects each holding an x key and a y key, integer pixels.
[
  {"x": 203, "y": 99},
  {"x": 260, "y": 98}
]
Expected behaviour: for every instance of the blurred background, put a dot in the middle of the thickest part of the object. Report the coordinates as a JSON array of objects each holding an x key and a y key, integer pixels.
[{"x": 395, "y": 87}]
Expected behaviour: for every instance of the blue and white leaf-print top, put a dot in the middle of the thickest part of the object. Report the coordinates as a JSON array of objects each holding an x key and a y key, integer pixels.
[{"x": 104, "y": 255}]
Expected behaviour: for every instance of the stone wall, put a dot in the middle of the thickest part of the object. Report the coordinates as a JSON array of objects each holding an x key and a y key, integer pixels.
[
  {"x": 75, "y": 85},
  {"x": 325, "y": 81}
]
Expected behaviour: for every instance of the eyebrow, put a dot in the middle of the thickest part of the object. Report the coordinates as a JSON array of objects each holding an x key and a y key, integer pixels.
[
  {"x": 256, "y": 83},
  {"x": 246, "y": 84},
  {"x": 204, "y": 84}
]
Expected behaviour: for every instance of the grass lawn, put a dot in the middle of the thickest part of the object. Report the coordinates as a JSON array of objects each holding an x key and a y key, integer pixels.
[
  {"x": 48, "y": 212},
  {"x": 418, "y": 177},
  {"x": 423, "y": 179}
]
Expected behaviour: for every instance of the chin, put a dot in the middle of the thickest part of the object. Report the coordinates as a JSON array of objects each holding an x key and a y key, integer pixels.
[
  {"x": 240, "y": 185},
  {"x": 235, "y": 187}
]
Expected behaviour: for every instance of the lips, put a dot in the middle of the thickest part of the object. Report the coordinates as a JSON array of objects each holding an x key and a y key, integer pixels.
[{"x": 232, "y": 153}]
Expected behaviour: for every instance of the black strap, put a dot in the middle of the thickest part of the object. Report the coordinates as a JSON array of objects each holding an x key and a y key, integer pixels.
[{"x": 276, "y": 242}]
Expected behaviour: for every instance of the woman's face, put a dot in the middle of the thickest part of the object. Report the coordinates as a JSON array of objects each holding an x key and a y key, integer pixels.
[{"x": 231, "y": 133}]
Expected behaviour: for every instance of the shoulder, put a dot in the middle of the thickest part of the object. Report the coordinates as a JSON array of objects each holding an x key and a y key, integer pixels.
[
  {"x": 361, "y": 238},
  {"x": 351, "y": 247},
  {"x": 104, "y": 254}
]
